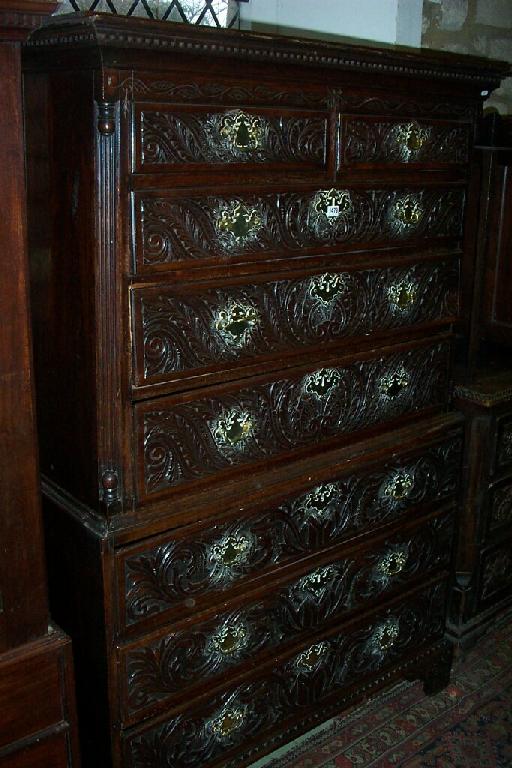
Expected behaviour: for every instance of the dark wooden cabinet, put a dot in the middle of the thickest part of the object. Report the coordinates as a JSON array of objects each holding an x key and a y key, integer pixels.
[
  {"x": 250, "y": 258},
  {"x": 484, "y": 555}
]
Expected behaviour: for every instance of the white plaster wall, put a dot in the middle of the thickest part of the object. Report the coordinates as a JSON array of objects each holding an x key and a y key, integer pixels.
[{"x": 388, "y": 21}]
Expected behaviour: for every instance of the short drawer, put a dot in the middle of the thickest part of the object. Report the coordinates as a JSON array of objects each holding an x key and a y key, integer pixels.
[
  {"x": 172, "y": 138},
  {"x": 172, "y": 229},
  {"x": 305, "y": 678},
  {"x": 496, "y": 574},
  {"x": 184, "y": 331},
  {"x": 172, "y": 665},
  {"x": 215, "y": 433},
  {"x": 177, "y": 575},
  {"x": 504, "y": 442},
  {"x": 379, "y": 140}
]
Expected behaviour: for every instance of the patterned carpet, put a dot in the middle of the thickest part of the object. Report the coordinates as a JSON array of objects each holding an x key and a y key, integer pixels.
[{"x": 468, "y": 725}]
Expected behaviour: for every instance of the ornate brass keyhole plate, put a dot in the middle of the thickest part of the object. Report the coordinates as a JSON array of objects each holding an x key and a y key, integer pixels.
[
  {"x": 392, "y": 385},
  {"x": 229, "y": 639},
  {"x": 236, "y": 322},
  {"x": 321, "y": 383},
  {"x": 232, "y": 429},
  {"x": 312, "y": 658},
  {"x": 237, "y": 224},
  {"x": 402, "y": 296},
  {"x": 228, "y": 722},
  {"x": 410, "y": 139},
  {"x": 399, "y": 486},
  {"x": 242, "y": 131}
]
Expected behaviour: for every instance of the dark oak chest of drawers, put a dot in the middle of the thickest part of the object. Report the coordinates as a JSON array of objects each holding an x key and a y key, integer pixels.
[
  {"x": 250, "y": 260},
  {"x": 483, "y": 563}
]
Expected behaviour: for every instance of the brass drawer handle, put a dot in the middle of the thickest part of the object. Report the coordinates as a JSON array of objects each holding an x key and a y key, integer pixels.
[
  {"x": 232, "y": 429},
  {"x": 317, "y": 504},
  {"x": 236, "y": 322},
  {"x": 399, "y": 486},
  {"x": 321, "y": 383},
  {"x": 402, "y": 295},
  {"x": 411, "y": 138},
  {"x": 228, "y": 722},
  {"x": 317, "y": 582},
  {"x": 392, "y": 385},
  {"x": 237, "y": 224},
  {"x": 330, "y": 204},
  {"x": 242, "y": 131},
  {"x": 326, "y": 288},
  {"x": 384, "y": 636},
  {"x": 230, "y": 638},
  {"x": 407, "y": 212},
  {"x": 312, "y": 658},
  {"x": 393, "y": 562},
  {"x": 232, "y": 550}
]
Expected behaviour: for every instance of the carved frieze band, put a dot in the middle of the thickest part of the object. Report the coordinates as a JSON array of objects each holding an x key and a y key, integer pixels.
[
  {"x": 245, "y": 711},
  {"x": 184, "y": 442},
  {"x": 385, "y": 141},
  {"x": 173, "y": 230},
  {"x": 233, "y": 136},
  {"x": 187, "y": 331},
  {"x": 161, "y": 578},
  {"x": 192, "y": 656}
]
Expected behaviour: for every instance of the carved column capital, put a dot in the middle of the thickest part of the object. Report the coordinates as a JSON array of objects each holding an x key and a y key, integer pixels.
[{"x": 106, "y": 117}]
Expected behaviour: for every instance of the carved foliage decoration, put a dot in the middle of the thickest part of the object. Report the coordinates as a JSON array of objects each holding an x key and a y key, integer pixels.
[
  {"x": 161, "y": 578},
  {"x": 496, "y": 572},
  {"x": 180, "y": 229},
  {"x": 382, "y": 141},
  {"x": 246, "y": 711},
  {"x": 233, "y": 136},
  {"x": 505, "y": 443},
  {"x": 501, "y": 509},
  {"x": 209, "y": 435},
  {"x": 192, "y": 656}
]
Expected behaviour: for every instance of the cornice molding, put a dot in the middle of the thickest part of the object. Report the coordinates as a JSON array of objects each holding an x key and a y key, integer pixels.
[
  {"x": 20, "y": 17},
  {"x": 102, "y": 30}
]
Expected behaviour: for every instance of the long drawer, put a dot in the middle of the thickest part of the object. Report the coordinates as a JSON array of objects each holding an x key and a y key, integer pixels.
[
  {"x": 173, "y": 229},
  {"x": 172, "y": 665},
  {"x": 193, "y": 437},
  {"x": 181, "y": 573},
  {"x": 307, "y": 677},
  {"x": 196, "y": 331}
]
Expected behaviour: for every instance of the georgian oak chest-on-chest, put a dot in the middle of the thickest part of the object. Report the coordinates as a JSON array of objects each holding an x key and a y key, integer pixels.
[{"x": 250, "y": 261}]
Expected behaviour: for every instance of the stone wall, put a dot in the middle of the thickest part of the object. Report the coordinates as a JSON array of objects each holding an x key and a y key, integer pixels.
[{"x": 480, "y": 27}]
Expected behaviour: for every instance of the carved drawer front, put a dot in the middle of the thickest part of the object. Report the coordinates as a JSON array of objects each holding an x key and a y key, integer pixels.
[
  {"x": 504, "y": 445},
  {"x": 171, "y": 229},
  {"x": 181, "y": 330},
  {"x": 291, "y": 686},
  {"x": 183, "y": 440},
  {"x": 177, "y": 575},
  {"x": 186, "y": 659},
  {"x": 388, "y": 141},
  {"x": 496, "y": 574},
  {"x": 173, "y": 137},
  {"x": 500, "y": 509}
]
